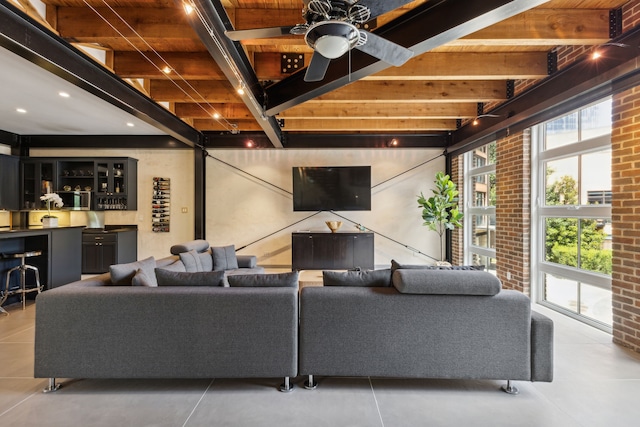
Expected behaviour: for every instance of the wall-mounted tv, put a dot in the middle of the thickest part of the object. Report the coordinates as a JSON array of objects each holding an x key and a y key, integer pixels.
[{"x": 335, "y": 188}]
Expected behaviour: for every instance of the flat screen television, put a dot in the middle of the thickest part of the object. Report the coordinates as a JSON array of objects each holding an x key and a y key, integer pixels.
[{"x": 335, "y": 188}]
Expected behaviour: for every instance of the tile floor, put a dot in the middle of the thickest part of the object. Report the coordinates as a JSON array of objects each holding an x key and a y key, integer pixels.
[{"x": 596, "y": 384}]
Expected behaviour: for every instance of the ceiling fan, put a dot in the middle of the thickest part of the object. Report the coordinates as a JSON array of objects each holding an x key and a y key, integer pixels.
[{"x": 331, "y": 31}]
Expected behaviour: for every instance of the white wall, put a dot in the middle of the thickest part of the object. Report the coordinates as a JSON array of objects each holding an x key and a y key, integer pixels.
[
  {"x": 242, "y": 209},
  {"x": 175, "y": 164}
]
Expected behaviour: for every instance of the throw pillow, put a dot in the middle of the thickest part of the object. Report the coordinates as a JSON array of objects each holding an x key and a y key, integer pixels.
[
  {"x": 287, "y": 280},
  {"x": 191, "y": 261},
  {"x": 224, "y": 257},
  {"x": 179, "y": 278},
  {"x": 122, "y": 274},
  {"x": 369, "y": 278},
  {"x": 142, "y": 279}
]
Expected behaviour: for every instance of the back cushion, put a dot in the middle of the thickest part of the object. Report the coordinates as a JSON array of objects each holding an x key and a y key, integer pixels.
[
  {"x": 287, "y": 280},
  {"x": 368, "y": 278},
  {"x": 445, "y": 282},
  {"x": 178, "y": 278}
]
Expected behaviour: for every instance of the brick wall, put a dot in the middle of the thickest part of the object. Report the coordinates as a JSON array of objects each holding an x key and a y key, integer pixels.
[
  {"x": 457, "y": 235},
  {"x": 625, "y": 183},
  {"x": 513, "y": 194}
]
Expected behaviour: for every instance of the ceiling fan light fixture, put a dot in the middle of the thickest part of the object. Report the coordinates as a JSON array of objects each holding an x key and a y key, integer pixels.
[{"x": 332, "y": 39}]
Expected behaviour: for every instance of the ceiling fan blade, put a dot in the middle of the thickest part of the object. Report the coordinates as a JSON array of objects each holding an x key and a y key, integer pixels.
[
  {"x": 259, "y": 33},
  {"x": 385, "y": 50},
  {"x": 378, "y": 7},
  {"x": 317, "y": 68}
]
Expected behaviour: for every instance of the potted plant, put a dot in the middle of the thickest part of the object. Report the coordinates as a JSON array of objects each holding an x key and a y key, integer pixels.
[
  {"x": 440, "y": 211},
  {"x": 51, "y": 198}
]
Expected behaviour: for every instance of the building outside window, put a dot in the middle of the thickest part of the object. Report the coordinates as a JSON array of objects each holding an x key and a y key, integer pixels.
[
  {"x": 571, "y": 265},
  {"x": 480, "y": 211}
]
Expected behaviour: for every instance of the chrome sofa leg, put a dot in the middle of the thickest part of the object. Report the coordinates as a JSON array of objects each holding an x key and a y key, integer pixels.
[
  {"x": 310, "y": 384},
  {"x": 286, "y": 387},
  {"x": 53, "y": 386},
  {"x": 510, "y": 389}
]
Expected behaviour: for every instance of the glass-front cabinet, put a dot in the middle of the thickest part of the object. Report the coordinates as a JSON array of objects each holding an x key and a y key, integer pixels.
[
  {"x": 38, "y": 178},
  {"x": 116, "y": 181},
  {"x": 110, "y": 182}
]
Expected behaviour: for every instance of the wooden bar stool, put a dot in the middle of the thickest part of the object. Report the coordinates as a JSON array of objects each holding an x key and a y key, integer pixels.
[{"x": 22, "y": 268}]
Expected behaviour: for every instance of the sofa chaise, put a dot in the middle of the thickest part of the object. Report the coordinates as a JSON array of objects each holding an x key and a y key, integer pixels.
[{"x": 429, "y": 324}]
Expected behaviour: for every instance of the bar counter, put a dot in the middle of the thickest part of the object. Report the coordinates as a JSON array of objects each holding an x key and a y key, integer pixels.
[{"x": 61, "y": 259}]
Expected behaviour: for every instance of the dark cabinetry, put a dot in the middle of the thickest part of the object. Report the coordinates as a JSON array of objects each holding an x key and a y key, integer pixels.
[
  {"x": 9, "y": 188},
  {"x": 38, "y": 178},
  {"x": 112, "y": 181},
  {"x": 331, "y": 251},
  {"x": 104, "y": 248}
]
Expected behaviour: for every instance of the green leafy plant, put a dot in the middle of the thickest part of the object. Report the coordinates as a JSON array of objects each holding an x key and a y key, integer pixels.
[{"x": 440, "y": 211}]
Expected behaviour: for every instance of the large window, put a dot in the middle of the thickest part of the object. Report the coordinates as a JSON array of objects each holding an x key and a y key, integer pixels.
[
  {"x": 480, "y": 207},
  {"x": 572, "y": 255}
]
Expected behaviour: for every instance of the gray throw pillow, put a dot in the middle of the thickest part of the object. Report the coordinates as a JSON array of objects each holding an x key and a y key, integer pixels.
[
  {"x": 287, "y": 280},
  {"x": 224, "y": 257},
  {"x": 191, "y": 261},
  {"x": 368, "y": 278},
  {"x": 122, "y": 274},
  {"x": 179, "y": 278},
  {"x": 142, "y": 279}
]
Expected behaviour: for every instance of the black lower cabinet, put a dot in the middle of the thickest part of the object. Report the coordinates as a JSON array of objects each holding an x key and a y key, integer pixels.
[
  {"x": 331, "y": 251},
  {"x": 102, "y": 249}
]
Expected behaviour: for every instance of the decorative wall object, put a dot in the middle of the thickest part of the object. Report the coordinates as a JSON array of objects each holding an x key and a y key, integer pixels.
[{"x": 161, "y": 205}]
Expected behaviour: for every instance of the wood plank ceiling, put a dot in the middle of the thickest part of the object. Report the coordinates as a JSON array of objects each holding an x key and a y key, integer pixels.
[{"x": 151, "y": 44}]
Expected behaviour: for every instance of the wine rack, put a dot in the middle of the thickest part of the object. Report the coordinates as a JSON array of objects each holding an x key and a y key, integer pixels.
[{"x": 161, "y": 205}]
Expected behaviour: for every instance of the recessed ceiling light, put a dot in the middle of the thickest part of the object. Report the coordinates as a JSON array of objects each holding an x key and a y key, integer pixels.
[
  {"x": 216, "y": 116},
  {"x": 188, "y": 8},
  {"x": 130, "y": 124},
  {"x": 166, "y": 70},
  {"x": 64, "y": 94},
  {"x": 21, "y": 110}
]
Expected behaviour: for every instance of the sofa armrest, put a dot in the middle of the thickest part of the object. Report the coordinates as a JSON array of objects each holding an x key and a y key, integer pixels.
[
  {"x": 541, "y": 347},
  {"x": 247, "y": 261}
]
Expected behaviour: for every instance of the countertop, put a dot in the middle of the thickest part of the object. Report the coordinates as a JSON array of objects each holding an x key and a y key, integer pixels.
[{"x": 7, "y": 231}]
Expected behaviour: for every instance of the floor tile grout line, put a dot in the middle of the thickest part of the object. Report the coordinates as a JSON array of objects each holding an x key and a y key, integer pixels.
[
  {"x": 375, "y": 399},
  {"x": 19, "y": 403},
  {"x": 198, "y": 403}
]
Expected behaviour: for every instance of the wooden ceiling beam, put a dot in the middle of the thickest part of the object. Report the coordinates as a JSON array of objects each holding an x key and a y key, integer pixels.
[
  {"x": 165, "y": 29},
  {"x": 204, "y": 125},
  {"x": 436, "y": 66},
  {"x": 235, "y": 111},
  {"x": 363, "y": 110},
  {"x": 187, "y": 65},
  {"x": 364, "y": 91},
  {"x": 413, "y": 125},
  {"x": 537, "y": 26},
  {"x": 197, "y": 91},
  {"x": 418, "y": 91}
]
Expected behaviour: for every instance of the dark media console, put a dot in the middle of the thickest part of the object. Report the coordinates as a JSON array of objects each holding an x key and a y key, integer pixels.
[{"x": 331, "y": 251}]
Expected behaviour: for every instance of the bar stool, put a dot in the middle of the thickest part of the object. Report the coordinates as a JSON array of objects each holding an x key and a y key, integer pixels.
[{"x": 22, "y": 268}]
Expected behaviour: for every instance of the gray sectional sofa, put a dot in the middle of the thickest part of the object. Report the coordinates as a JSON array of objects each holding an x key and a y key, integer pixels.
[
  {"x": 429, "y": 324},
  {"x": 95, "y": 329},
  {"x": 410, "y": 323}
]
